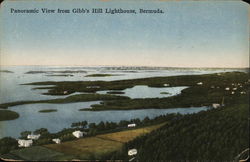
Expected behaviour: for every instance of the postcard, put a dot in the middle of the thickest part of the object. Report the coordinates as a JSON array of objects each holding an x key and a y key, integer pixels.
[{"x": 146, "y": 80}]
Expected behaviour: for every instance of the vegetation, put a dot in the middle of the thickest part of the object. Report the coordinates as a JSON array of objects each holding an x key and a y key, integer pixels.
[
  {"x": 70, "y": 99},
  {"x": 6, "y": 71},
  {"x": 37, "y": 153},
  {"x": 84, "y": 109},
  {"x": 218, "y": 134},
  {"x": 92, "y": 129},
  {"x": 211, "y": 91},
  {"x": 7, "y": 144},
  {"x": 8, "y": 115},
  {"x": 100, "y": 75},
  {"x": 47, "y": 72},
  {"x": 98, "y": 147},
  {"x": 165, "y": 93},
  {"x": 48, "y": 110},
  {"x": 115, "y": 92},
  {"x": 222, "y": 80},
  {"x": 63, "y": 75}
]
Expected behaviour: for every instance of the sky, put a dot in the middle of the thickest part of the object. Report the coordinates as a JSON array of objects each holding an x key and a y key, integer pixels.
[{"x": 188, "y": 34}]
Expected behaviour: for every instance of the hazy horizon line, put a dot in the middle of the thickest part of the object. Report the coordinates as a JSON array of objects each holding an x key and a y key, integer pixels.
[{"x": 136, "y": 66}]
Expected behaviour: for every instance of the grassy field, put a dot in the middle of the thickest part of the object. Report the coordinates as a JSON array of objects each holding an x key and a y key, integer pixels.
[
  {"x": 37, "y": 153},
  {"x": 100, "y": 145}
]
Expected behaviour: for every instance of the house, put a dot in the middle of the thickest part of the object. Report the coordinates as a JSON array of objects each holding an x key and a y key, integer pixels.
[
  {"x": 232, "y": 92},
  {"x": 65, "y": 92},
  {"x": 78, "y": 134},
  {"x": 227, "y": 88},
  {"x": 212, "y": 86},
  {"x": 215, "y": 105},
  {"x": 200, "y": 83},
  {"x": 235, "y": 89},
  {"x": 243, "y": 92},
  {"x": 132, "y": 152},
  {"x": 56, "y": 140},
  {"x": 33, "y": 136},
  {"x": 165, "y": 85},
  {"x": 131, "y": 125},
  {"x": 24, "y": 143}
]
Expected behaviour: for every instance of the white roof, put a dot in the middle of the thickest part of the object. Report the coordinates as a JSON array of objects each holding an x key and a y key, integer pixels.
[
  {"x": 56, "y": 140},
  {"x": 33, "y": 136},
  {"x": 132, "y": 152},
  {"x": 24, "y": 143},
  {"x": 77, "y": 131}
]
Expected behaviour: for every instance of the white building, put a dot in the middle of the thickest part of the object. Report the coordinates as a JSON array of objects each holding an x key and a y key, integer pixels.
[
  {"x": 132, "y": 152},
  {"x": 24, "y": 143},
  {"x": 33, "y": 136},
  {"x": 200, "y": 83},
  {"x": 215, "y": 105},
  {"x": 56, "y": 140},
  {"x": 78, "y": 134},
  {"x": 243, "y": 92},
  {"x": 227, "y": 88},
  {"x": 166, "y": 85},
  {"x": 235, "y": 89},
  {"x": 131, "y": 125},
  {"x": 232, "y": 92},
  {"x": 65, "y": 92}
]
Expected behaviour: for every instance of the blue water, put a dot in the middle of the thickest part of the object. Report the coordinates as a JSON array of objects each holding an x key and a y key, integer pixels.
[{"x": 30, "y": 119}]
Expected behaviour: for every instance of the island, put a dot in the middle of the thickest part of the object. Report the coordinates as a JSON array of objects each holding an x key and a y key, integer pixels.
[
  {"x": 8, "y": 115},
  {"x": 48, "y": 110},
  {"x": 100, "y": 75},
  {"x": 49, "y": 72},
  {"x": 6, "y": 71},
  {"x": 203, "y": 90},
  {"x": 226, "y": 120}
]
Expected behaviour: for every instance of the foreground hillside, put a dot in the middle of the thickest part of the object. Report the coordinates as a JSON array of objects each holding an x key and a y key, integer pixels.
[{"x": 219, "y": 134}]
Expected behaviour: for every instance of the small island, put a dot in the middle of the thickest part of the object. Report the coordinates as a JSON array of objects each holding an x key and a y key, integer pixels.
[
  {"x": 6, "y": 71},
  {"x": 8, "y": 115},
  {"x": 100, "y": 75},
  {"x": 60, "y": 75},
  {"x": 84, "y": 109},
  {"x": 48, "y": 110},
  {"x": 50, "y": 72},
  {"x": 165, "y": 93},
  {"x": 115, "y": 92},
  {"x": 195, "y": 95}
]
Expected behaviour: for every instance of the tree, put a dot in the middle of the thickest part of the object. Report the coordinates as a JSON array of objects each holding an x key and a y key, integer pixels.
[
  {"x": 101, "y": 126},
  {"x": 84, "y": 124},
  {"x": 42, "y": 131},
  {"x": 146, "y": 120},
  {"x": 92, "y": 125},
  {"x": 24, "y": 134},
  {"x": 7, "y": 144}
]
